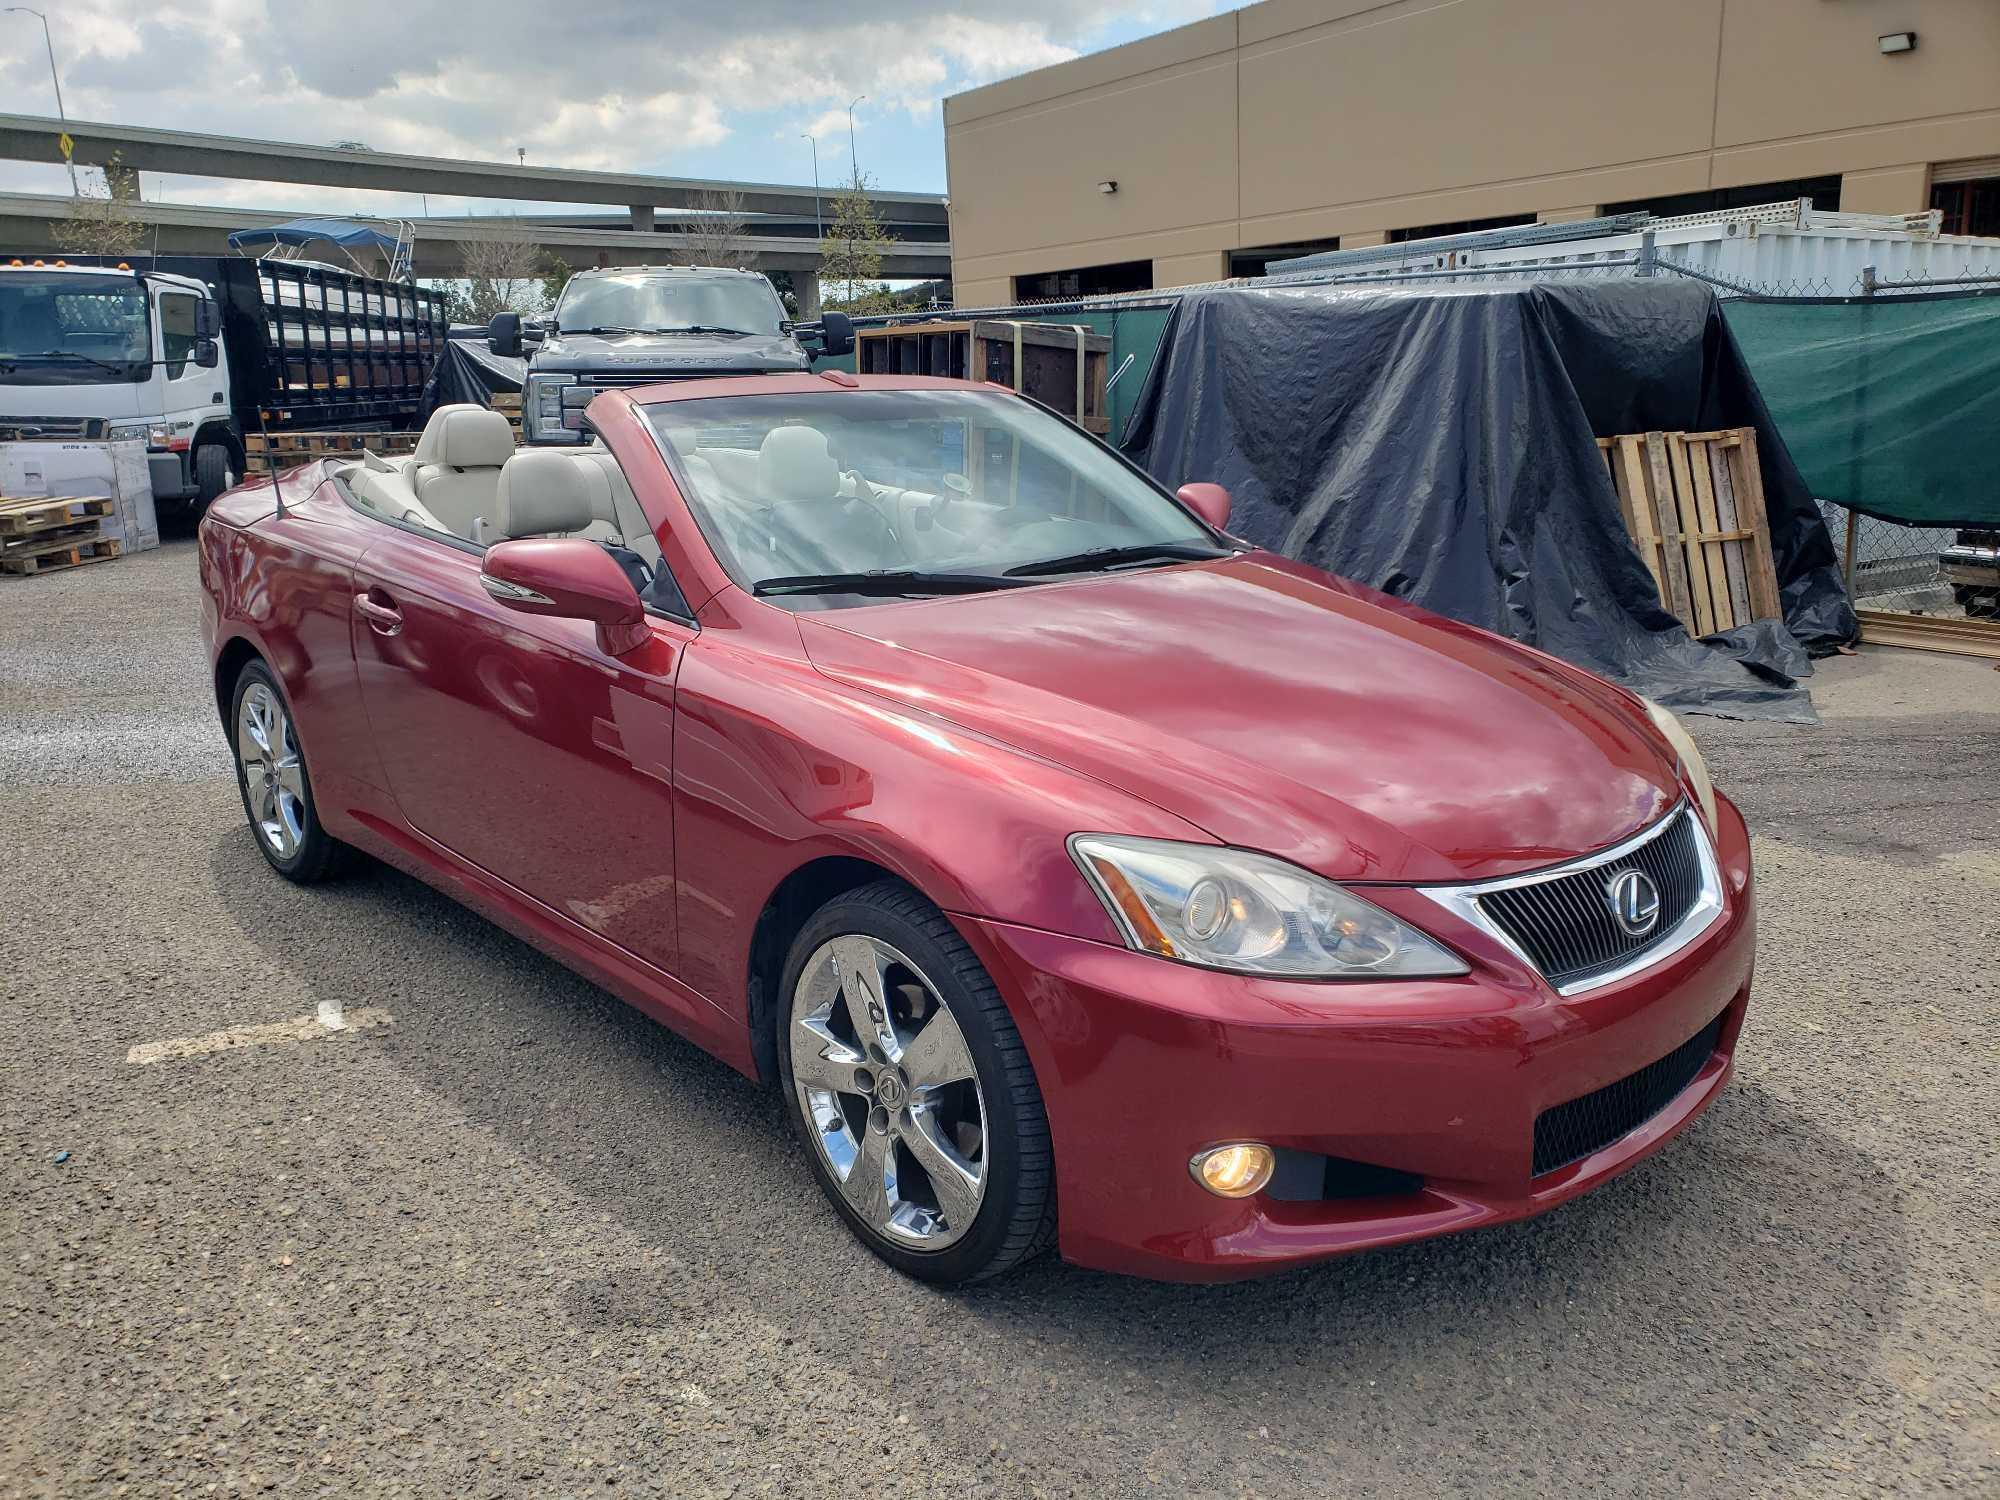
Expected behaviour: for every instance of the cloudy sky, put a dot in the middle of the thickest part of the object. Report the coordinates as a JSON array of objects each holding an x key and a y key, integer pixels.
[{"x": 725, "y": 88}]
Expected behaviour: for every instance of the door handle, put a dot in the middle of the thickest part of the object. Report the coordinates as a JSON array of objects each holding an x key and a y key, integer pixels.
[{"x": 380, "y": 617}]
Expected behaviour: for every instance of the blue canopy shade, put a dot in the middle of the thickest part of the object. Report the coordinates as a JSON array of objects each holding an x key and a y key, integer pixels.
[{"x": 343, "y": 232}]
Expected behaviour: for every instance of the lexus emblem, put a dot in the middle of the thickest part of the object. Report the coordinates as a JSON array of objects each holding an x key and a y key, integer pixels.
[{"x": 1634, "y": 901}]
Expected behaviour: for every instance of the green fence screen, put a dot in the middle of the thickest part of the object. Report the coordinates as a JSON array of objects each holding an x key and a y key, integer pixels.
[{"x": 1889, "y": 405}]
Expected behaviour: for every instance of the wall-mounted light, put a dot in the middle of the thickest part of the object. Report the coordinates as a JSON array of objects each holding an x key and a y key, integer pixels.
[
  {"x": 1109, "y": 185},
  {"x": 1897, "y": 41}
]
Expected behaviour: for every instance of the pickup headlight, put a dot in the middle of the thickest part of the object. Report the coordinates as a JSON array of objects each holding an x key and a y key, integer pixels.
[
  {"x": 1693, "y": 767},
  {"x": 1228, "y": 909}
]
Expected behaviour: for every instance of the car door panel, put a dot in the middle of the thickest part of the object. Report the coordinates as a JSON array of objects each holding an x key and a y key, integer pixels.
[{"x": 515, "y": 743}]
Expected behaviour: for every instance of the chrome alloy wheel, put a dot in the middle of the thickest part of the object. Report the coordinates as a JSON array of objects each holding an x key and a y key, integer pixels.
[
  {"x": 890, "y": 1090},
  {"x": 273, "y": 775}
]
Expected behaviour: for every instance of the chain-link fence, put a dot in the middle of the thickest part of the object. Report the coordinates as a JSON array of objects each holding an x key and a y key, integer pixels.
[{"x": 1937, "y": 572}]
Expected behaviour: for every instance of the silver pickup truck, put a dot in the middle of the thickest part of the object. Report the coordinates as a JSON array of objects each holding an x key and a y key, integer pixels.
[{"x": 1972, "y": 567}]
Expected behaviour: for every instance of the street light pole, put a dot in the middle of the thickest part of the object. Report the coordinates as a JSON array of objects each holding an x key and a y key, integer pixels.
[
  {"x": 56, "y": 79},
  {"x": 852, "y": 161},
  {"x": 819, "y": 222}
]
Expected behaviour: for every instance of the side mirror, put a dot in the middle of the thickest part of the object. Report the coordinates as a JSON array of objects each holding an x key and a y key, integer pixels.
[
  {"x": 571, "y": 579},
  {"x": 206, "y": 354},
  {"x": 533, "y": 333},
  {"x": 1209, "y": 501},
  {"x": 503, "y": 335},
  {"x": 837, "y": 334},
  {"x": 207, "y": 319}
]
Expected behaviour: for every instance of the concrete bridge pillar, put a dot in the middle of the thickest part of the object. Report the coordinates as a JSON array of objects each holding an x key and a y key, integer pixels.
[
  {"x": 805, "y": 288},
  {"x": 642, "y": 217}
]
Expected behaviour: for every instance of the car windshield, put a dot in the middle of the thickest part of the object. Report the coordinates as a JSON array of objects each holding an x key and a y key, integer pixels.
[
  {"x": 59, "y": 327},
  {"x": 961, "y": 487},
  {"x": 650, "y": 302}
]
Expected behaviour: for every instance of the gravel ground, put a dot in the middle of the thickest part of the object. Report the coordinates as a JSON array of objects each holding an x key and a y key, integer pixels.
[{"x": 519, "y": 1241}]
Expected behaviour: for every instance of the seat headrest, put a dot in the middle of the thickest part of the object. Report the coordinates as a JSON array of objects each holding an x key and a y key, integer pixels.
[
  {"x": 541, "y": 492},
  {"x": 793, "y": 464},
  {"x": 466, "y": 436}
]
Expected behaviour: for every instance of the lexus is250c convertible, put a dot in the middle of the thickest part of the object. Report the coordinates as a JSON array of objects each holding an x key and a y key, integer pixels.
[{"x": 1081, "y": 875}]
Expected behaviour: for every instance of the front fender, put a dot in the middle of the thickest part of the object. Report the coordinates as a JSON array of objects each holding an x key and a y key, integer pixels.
[{"x": 776, "y": 766}]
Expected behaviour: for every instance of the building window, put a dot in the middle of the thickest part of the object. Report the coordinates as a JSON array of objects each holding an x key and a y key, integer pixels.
[
  {"x": 1085, "y": 281},
  {"x": 1462, "y": 226},
  {"x": 1968, "y": 207},
  {"x": 1824, "y": 192},
  {"x": 1254, "y": 261}
]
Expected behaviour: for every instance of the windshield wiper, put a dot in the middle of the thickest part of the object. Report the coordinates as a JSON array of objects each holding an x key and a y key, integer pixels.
[
  {"x": 889, "y": 582},
  {"x": 611, "y": 329},
  {"x": 742, "y": 333},
  {"x": 14, "y": 361},
  {"x": 1104, "y": 557}
]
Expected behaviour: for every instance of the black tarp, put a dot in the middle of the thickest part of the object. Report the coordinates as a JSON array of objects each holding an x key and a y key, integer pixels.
[
  {"x": 469, "y": 371},
  {"x": 1438, "y": 444}
]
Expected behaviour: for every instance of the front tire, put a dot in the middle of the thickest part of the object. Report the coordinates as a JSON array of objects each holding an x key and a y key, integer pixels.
[
  {"x": 907, "y": 1079},
  {"x": 277, "y": 790},
  {"x": 211, "y": 473}
]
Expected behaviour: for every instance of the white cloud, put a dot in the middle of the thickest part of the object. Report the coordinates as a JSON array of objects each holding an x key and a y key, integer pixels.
[{"x": 638, "y": 85}]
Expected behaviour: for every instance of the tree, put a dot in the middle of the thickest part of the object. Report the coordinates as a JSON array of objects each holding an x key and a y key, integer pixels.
[
  {"x": 100, "y": 220},
  {"x": 505, "y": 273},
  {"x": 556, "y": 273},
  {"x": 714, "y": 232},
  {"x": 852, "y": 250}
]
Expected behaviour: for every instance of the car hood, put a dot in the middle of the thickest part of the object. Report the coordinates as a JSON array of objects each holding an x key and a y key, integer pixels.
[
  {"x": 1277, "y": 708},
  {"x": 672, "y": 354}
]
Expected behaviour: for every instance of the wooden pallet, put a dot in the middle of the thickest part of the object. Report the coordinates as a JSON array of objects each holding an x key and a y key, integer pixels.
[
  {"x": 1061, "y": 365},
  {"x": 284, "y": 450},
  {"x": 53, "y": 557},
  {"x": 1880, "y": 627},
  {"x": 1694, "y": 505},
  {"x": 32, "y": 515}
]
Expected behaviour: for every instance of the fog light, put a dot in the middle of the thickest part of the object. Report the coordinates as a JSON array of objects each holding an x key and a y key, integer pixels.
[{"x": 1234, "y": 1171}]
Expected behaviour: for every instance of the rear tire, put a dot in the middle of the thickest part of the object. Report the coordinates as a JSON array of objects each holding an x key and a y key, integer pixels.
[
  {"x": 277, "y": 790},
  {"x": 211, "y": 473},
  {"x": 922, "y": 1120}
]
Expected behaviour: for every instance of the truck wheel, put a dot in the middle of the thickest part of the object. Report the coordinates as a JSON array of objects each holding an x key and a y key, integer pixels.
[{"x": 211, "y": 473}]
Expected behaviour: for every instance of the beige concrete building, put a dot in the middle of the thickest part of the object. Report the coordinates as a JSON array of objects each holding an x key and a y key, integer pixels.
[{"x": 1296, "y": 125}]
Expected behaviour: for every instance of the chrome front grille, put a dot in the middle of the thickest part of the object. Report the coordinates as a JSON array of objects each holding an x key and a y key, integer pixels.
[{"x": 1565, "y": 921}]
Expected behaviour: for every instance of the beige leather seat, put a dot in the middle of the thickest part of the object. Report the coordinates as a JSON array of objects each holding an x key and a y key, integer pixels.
[
  {"x": 458, "y": 465},
  {"x": 541, "y": 492},
  {"x": 793, "y": 464}
]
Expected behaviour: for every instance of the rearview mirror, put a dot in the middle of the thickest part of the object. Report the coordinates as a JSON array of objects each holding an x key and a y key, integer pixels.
[
  {"x": 1209, "y": 501},
  {"x": 503, "y": 335},
  {"x": 571, "y": 579},
  {"x": 207, "y": 319},
  {"x": 206, "y": 354}
]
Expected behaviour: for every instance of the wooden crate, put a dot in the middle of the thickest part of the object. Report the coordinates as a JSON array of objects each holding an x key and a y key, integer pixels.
[
  {"x": 1061, "y": 365},
  {"x": 285, "y": 450},
  {"x": 1694, "y": 505}
]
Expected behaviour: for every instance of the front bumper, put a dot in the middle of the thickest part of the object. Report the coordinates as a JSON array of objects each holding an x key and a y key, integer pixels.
[{"x": 1143, "y": 1062}]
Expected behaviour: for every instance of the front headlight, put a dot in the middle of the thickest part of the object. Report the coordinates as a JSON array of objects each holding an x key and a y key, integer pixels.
[
  {"x": 1693, "y": 767},
  {"x": 1228, "y": 909},
  {"x": 126, "y": 431}
]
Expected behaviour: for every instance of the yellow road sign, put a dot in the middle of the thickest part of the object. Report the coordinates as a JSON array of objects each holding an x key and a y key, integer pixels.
[{"x": 68, "y": 146}]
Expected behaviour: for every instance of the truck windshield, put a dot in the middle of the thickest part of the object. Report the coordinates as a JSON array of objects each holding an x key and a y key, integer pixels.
[
  {"x": 61, "y": 328},
  {"x": 822, "y": 500},
  {"x": 646, "y": 303}
]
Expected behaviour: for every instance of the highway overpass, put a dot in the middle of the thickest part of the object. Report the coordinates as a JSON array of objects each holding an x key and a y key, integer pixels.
[
  {"x": 29, "y": 221},
  {"x": 189, "y": 153}
]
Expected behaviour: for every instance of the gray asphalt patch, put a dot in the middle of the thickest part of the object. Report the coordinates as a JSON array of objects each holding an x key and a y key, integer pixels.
[{"x": 524, "y": 1242}]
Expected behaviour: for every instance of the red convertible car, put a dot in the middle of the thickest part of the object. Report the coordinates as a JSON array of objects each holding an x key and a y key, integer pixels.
[{"x": 1081, "y": 875}]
